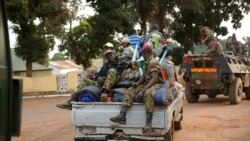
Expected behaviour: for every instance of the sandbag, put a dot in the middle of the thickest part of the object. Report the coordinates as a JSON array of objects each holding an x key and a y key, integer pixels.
[
  {"x": 118, "y": 94},
  {"x": 90, "y": 90},
  {"x": 164, "y": 96},
  {"x": 86, "y": 97}
]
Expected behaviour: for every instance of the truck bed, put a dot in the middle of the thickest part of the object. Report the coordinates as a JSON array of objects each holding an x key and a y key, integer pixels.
[{"x": 92, "y": 118}]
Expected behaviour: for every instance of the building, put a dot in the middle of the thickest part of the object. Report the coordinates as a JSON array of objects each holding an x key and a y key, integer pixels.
[{"x": 19, "y": 67}]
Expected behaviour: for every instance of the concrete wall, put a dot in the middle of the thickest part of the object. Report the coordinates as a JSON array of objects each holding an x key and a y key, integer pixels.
[
  {"x": 34, "y": 73},
  {"x": 47, "y": 84},
  {"x": 72, "y": 81}
]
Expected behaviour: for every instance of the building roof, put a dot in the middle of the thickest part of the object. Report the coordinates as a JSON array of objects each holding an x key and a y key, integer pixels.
[
  {"x": 20, "y": 65},
  {"x": 65, "y": 64}
]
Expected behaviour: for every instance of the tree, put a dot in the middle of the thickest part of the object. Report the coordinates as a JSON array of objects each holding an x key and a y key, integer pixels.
[
  {"x": 77, "y": 44},
  {"x": 247, "y": 42},
  {"x": 187, "y": 21},
  {"x": 36, "y": 23},
  {"x": 58, "y": 56},
  {"x": 113, "y": 16}
]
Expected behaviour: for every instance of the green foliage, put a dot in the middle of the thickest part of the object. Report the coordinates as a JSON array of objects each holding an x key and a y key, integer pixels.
[
  {"x": 112, "y": 16},
  {"x": 77, "y": 43},
  {"x": 177, "y": 54},
  {"x": 58, "y": 56},
  {"x": 212, "y": 13},
  {"x": 36, "y": 23}
]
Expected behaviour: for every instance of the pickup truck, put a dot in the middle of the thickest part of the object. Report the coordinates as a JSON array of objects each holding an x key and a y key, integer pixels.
[{"x": 91, "y": 121}]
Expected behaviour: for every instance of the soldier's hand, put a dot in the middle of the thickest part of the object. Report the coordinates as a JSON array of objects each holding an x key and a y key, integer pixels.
[
  {"x": 101, "y": 80},
  {"x": 140, "y": 95}
]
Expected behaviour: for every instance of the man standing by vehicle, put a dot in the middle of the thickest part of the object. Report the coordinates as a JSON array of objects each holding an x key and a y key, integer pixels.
[{"x": 144, "y": 89}]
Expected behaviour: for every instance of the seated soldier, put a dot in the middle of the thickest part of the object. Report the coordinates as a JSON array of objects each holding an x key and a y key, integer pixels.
[
  {"x": 101, "y": 76},
  {"x": 124, "y": 71},
  {"x": 207, "y": 38},
  {"x": 120, "y": 72},
  {"x": 144, "y": 89}
]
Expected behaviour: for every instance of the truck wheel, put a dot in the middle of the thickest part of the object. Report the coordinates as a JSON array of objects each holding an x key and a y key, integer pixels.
[
  {"x": 235, "y": 91},
  {"x": 247, "y": 93},
  {"x": 177, "y": 124},
  {"x": 169, "y": 136},
  {"x": 190, "y": 96}
]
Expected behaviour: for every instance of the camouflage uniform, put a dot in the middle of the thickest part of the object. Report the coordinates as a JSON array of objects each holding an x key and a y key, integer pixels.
[
  {"x": 111, "y": 79},
  {"x": 150, "y": 65},
  {"x": 214, "y": 46},
  {"x": 229, "y": 45}
]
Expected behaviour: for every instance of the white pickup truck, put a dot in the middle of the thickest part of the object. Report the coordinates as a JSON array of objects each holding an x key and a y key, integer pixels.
[{"x": 91, "y": 121}]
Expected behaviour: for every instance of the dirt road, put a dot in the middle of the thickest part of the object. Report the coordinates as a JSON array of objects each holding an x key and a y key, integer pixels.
[{"x": 208, "y": 120}]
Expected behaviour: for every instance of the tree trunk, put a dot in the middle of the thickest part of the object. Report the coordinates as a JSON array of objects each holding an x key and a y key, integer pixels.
[{"x": 29, "y": 67}]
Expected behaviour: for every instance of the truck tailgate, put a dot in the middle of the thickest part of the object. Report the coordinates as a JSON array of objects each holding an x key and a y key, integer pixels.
[{"x": 94, "y": 117}]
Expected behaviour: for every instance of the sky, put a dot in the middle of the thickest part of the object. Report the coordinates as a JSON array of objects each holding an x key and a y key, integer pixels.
[{"x": 244, "y": 31}]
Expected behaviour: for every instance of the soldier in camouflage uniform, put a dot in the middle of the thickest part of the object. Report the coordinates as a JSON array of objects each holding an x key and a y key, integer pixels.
[
  {"x": 129, "y": 72},
  {"x": 144, "y": 89},
  {"x": 207, "y": 38},
  {"x": 107, "y": 68}
]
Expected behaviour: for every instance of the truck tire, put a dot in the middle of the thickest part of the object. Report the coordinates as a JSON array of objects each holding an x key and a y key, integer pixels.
[
  {"x": 169, "y": 136},
  {"x": 247, "y": 93},
  {"x": 235, "y": 91},
  {"x": 177, "y": 124},
  {"x": 190, "y": 96}
]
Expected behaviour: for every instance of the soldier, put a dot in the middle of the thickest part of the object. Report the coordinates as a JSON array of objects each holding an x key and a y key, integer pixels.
[
  {"x": 127, "y": 48},
  {"x": 144, "y": 89},
  {"x": 101, "y": 77},
  {"x": 106, "y": 46},
  {"x": 125, "y": 71},
  {"x": 229, "y": 45},
  {"x": 207, "y": 38}
]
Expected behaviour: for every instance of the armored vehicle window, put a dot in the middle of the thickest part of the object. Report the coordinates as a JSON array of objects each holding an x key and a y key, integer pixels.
[
  {"x": 234, "y": 61},
  {"x": 198, "y": 64},
  {"x": 229, "y": 60}
]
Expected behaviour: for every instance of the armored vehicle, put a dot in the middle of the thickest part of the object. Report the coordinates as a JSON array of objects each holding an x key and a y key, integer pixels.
[{"x": 213, "y": 75}]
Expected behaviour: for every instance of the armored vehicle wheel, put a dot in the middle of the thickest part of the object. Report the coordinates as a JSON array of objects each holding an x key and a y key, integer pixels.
[
  {"x": 191, "y": 97},
  {"x": 247, "y": 93},
  {"x": 235, "y": 91}
]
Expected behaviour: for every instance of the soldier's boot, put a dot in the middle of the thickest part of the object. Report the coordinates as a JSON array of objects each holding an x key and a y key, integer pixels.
[
  {"x": 121, "y": 118},
  {"x": 66, "y": 105},
  {"x": 148, "y": 126}
]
